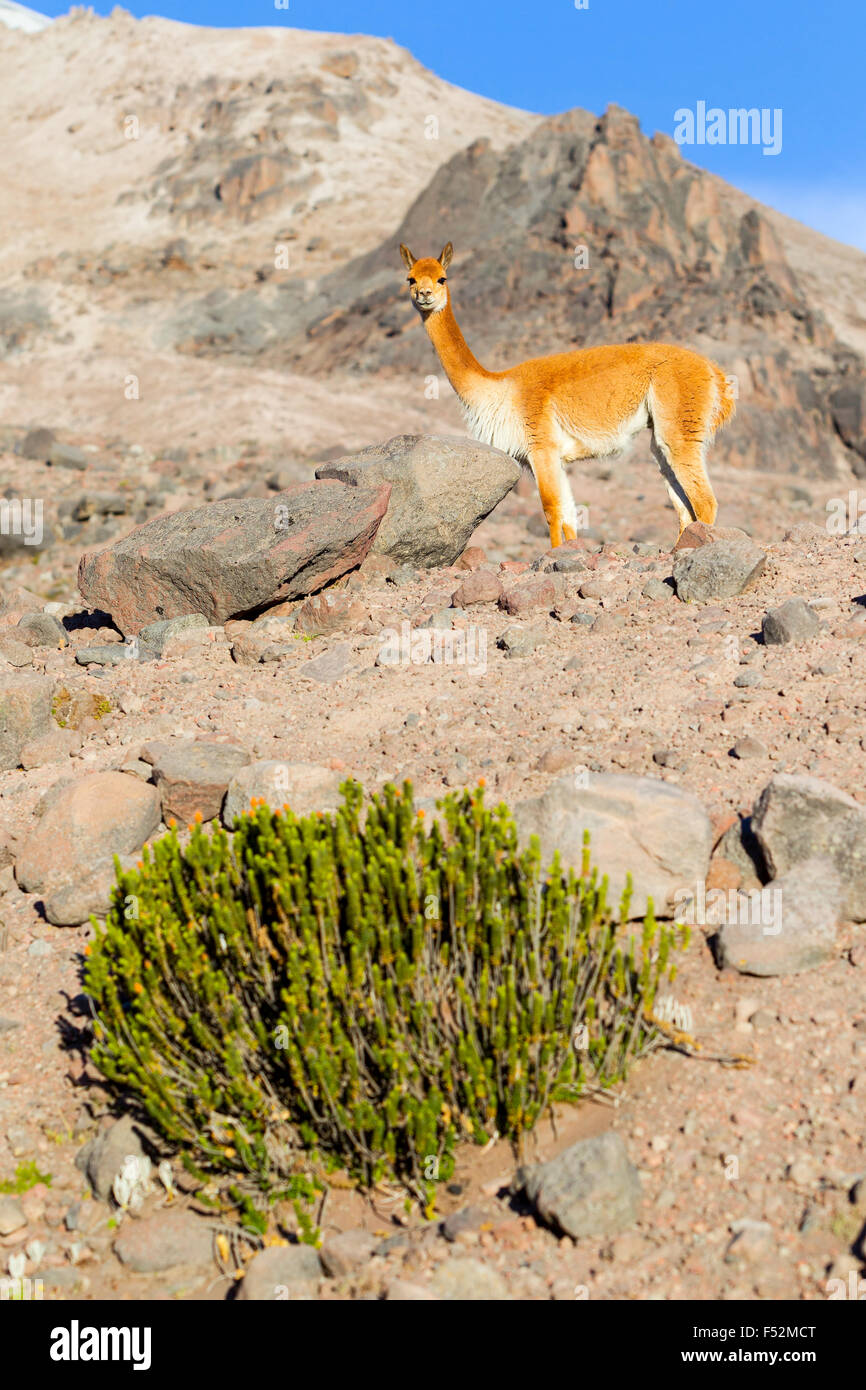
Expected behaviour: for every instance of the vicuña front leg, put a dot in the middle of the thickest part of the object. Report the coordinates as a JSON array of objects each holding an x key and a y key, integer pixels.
[{"x": 548, "y": 475}]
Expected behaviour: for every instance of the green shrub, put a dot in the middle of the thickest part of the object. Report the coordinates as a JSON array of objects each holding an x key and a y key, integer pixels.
[
  {"x": 361, "y": 991},
  {"x": 27, "y": 1175}
]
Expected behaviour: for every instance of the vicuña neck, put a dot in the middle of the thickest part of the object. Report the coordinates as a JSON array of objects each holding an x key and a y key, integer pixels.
[{"x": 462, "y": 369}]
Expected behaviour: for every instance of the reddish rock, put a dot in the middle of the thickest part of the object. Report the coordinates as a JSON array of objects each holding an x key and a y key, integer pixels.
[
  {"x": 723, "y": 874},
  {"x": 232, "y": 557},
  {"x": 192, "y": 776},
  {"x": 698, "y": 533},
  {"x": 481, "y": 586},
  {"x": 330, "y": 612},
  {"x": 529, "y": 595},
  {"x": 472, "y": 558}
]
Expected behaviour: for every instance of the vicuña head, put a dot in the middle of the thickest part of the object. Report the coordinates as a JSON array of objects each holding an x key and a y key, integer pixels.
[
  {"x": 427, "y": 280},
  {"x": 586, "y": 403}
]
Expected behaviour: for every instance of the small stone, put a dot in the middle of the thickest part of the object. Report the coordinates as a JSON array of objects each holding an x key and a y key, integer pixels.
[
  {"x": 797, "y": 817},
  {"x": 657, "y": 588},
  {"x": 594, "y": 588},
  {"x": 37, "y": 443},
  {"x": 699, "y": 533},
  {"x": 793, "y": 621},
  {"x": 402, "y": 576},
  {"x": 748, "y": 678},
  {"x": 481, "y": 586},
  {"x": 721, "y": 570},
  {"x": 752, "y": 1244},
  {"x": 557, "y": 759},
  {"x": 42, "y": 630},
  {"x": 115, "y": 654},
  {"x": 88, "y": 822},
  {"x": 443, "y": 621},
  {"x": 329, "y": 612},
  {"x": 253, "y": 644},
  {"x": 763, "y": 1020},
  {"x": 67, "y": 456},
  {"x": 346, "y": 1251},
  {"x": 748, "y": 747},
  {"x": 667, "y": 757},
  {"x": 54, "y": 747},
  {"x": 102, "y": 1158},
  {"x": 569, "y": 563},
  {"x": 404, "y": 1291},
  {"x": 640, "y": 827},
  {"x": 470, "y": 1218},
  {"x": 472, "y": 557},
  {"x": 462, "y": 1279},
  {"x": 12, "y": 1217},
  {"x": 156, "y": 635},
  {"x": 16, "y": 653},
  {"x": 331, "y": 666},
  {"x": 519, "y": 641},
  {"x": 163, "y": 1241},
  {"x": 805, "y": 533},
  {"x": 591, "y": 1189},
  {"x": 280, "y": 1272},
  {"x": 529, "y": 595}
]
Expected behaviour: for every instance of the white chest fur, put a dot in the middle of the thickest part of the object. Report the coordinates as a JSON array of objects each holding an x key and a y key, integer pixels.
[{"x": 491, "y": 418}]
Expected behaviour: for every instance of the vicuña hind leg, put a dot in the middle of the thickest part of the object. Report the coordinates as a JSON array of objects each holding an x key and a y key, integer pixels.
[
  {"x": 568, "y": 505},
  {"x": 681, "y": 412},
  {"x": 549, "y": 477},
  {"x": 685, "y": 475}
]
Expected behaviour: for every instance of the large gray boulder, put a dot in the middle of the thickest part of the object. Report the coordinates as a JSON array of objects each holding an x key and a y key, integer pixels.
[
  {"x": 799, "y": 817},
  {"x": 441, "y": 488},
  {"x": 232, "y": 557},
  {"x": 659, "y": 834}
]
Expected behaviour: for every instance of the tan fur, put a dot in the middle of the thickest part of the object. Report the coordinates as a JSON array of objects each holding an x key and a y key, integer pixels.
[{"x": 549, "y": 411}]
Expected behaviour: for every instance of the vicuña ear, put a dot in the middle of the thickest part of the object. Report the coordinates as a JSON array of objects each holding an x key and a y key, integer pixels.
[
  {"x": 445, "y": 258},
  {"x": 408, "y": 258}
]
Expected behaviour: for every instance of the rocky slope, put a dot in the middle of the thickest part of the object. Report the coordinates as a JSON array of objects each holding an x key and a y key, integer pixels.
[{"x": 576, "y": 682}]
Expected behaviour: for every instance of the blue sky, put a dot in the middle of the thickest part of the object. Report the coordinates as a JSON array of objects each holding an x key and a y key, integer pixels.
[{"x": 804, "y": 58}]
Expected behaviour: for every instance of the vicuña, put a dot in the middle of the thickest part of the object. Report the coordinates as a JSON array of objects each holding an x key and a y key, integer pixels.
[{"x": 587, "y": 403}]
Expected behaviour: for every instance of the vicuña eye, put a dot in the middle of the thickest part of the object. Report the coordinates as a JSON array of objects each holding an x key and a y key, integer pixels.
[
  {"x": 411, "y": 281},
  {"x": 441, "y": 282}
]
